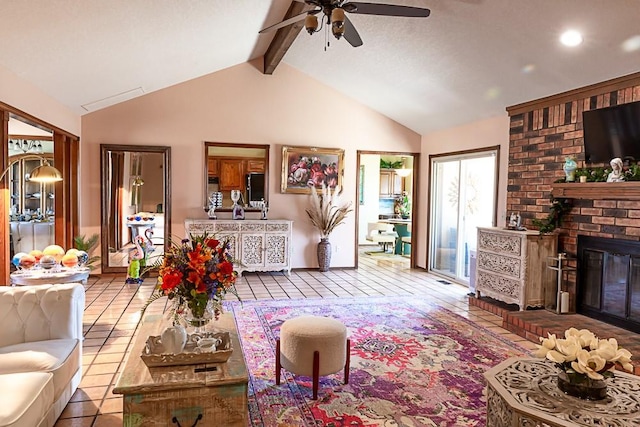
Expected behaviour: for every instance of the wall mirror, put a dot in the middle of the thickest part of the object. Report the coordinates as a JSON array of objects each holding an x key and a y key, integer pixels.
[
  {"x": 243, "y": 167},
  {"x": 136, "y": 198}
]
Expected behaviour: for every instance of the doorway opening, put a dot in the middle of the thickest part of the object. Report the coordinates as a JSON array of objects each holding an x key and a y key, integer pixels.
[
  {"x": 44, "y": 212},
  {"x": 386, "y": 187}
]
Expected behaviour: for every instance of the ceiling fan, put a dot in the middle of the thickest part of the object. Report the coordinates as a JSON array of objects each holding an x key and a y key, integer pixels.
[{"x": 334, "y": 12}]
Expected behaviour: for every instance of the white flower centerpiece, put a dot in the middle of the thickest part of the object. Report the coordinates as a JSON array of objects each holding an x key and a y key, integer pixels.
[{"x": 585, "y": 361}]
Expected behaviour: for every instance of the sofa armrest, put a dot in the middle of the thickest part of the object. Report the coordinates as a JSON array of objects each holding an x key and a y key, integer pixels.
[{"x": 42, "y": 312}]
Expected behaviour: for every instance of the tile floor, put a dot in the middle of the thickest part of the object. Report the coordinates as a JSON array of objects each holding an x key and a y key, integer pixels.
[{"x": 113, "y": 310}]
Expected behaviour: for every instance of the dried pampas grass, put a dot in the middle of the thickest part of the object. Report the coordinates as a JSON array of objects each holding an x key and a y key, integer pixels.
[{"x": 327, "y": 211}]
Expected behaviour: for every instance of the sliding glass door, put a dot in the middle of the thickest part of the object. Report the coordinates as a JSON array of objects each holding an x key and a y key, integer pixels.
[{"x": 463, "y": 197}]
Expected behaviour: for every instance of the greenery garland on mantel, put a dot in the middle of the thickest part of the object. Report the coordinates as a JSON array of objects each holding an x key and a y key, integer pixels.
[
  {"x": 600, "y": 174},
  {"x": 559, "y": 207}
]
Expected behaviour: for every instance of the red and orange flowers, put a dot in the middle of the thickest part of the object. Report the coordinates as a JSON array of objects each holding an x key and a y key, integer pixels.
[{"x": 196, "y": 274}]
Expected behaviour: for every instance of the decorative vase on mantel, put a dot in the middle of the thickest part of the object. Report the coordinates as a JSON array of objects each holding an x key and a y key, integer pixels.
[
  {"x": 324, "y": 254},
  {"x": 581, "y": 386}
]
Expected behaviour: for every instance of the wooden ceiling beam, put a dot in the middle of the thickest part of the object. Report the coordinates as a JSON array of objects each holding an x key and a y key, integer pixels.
[{"x": 284, "y": 37}]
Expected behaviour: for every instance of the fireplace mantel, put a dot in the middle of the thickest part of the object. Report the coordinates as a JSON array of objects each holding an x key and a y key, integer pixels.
[{"x": 597, "y": 190}]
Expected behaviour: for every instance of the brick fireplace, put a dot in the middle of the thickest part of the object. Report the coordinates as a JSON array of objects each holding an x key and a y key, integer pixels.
[{"x": 542, "y": 133}]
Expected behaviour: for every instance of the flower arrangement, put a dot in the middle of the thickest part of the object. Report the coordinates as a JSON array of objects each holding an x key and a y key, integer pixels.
[
  {"x": 327, "y": 211},
  {"x": 582, "y": 356},
  {"x": 195, "y": 274}
]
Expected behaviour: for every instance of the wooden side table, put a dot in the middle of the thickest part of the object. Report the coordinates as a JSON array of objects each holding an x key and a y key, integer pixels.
[
  {"x": 213, "y": 394},
  {"x": 524, "y": 392},
  {"x": 44, "y": 277}
]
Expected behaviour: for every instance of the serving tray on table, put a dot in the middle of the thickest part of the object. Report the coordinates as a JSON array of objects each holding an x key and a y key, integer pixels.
[{"x": 154, "y": 355}]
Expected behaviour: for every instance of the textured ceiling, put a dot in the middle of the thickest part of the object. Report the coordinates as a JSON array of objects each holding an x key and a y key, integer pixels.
[{"x": 469, "y": 60}]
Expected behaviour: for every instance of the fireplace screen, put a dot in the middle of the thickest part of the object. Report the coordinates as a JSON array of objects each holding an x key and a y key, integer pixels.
[{"x": 609, "y": 281}]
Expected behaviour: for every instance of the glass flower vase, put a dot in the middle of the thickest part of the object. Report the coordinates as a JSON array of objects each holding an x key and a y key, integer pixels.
[
  {"x": 581, "y": 386},
  {"x": 198, "y": 318}
]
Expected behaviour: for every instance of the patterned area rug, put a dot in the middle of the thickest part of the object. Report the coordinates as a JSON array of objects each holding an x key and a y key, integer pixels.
[{"x": 412, "y": 364}]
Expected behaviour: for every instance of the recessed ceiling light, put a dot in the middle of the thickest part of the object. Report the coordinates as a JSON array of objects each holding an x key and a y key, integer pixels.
[
  {"x": 571, "y": 38},
  {"x": 631, "y": 44}
]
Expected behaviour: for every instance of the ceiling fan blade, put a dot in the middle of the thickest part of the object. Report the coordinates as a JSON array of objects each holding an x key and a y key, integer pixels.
[
  {"x": 386, "y": 9},
  {"x": 351, "y": 34},
  {"x": 292, "y": 20}
]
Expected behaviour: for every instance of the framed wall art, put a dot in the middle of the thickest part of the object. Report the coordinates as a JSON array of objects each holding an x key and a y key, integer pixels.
[{"x": 306, "y": 167}]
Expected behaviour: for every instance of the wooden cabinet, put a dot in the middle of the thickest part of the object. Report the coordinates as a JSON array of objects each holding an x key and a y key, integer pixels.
[
  {"x": 512, "y": 265},
  {"x": 391, "y": 184},
  {"x": 231, "y": 175},
  {"x": 255, "y": 166},
  {"x": 259, "y": 245},
  {"x": 231, "y": 172},
  {"x": 212, "y": 167}
]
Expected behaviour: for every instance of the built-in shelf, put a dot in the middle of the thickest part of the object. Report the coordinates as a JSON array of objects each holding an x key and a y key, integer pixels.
[{"x": 597, "y": 190}]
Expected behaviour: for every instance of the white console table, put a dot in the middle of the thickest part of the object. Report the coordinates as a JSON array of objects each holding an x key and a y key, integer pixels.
[
  {"x": 524, "y": 392},
  {"x": 256, "y": 245}
]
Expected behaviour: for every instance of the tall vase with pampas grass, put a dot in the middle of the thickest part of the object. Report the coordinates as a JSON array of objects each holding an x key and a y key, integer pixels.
[{"x": 327, "y": 212}]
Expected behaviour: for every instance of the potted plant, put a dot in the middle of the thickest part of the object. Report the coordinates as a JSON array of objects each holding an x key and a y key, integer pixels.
[
  {"x": 88, "y": 245},
  {"x": 327, "y": 212},
  {"x": 404, "y": 206}
]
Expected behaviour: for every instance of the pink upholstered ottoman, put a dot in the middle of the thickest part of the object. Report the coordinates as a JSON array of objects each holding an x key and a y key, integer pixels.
[{"x": 313, "y": 346}]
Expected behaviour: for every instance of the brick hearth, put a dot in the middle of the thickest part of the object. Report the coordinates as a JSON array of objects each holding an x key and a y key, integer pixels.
[{"x": 533, "y": 324}]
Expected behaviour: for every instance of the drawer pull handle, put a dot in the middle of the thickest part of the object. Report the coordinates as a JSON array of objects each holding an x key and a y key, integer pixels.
[
  {"x": 206, "y": 369},
  {"x": 175, "y": 421}
]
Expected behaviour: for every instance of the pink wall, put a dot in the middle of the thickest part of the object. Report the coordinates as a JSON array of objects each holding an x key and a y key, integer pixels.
[
  {"x": 483, "y": 133},
  {"x": 24, "y": 96},
  {"x": 242, "y": 105}
]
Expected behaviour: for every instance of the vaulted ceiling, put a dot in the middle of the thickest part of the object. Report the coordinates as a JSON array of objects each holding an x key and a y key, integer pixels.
[{"x": 469, "y": 60}]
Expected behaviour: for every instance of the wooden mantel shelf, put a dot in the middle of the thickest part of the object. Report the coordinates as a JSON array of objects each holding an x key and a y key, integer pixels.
[{"x": 597, "y": 190}]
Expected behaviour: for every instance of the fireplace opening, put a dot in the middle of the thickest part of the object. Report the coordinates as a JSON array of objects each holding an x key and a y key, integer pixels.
[{"x": 608, "y": 282}]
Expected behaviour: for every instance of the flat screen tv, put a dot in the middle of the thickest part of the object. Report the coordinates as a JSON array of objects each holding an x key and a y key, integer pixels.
[{"x": 612, "y": 132}]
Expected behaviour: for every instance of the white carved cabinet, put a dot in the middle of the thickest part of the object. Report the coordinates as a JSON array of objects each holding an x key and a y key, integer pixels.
[
  {"x": 512, "y": 265},
  {"x": 258, "y": 245}
]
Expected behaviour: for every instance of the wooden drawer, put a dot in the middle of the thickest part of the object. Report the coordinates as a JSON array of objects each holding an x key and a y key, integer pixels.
[
  {"x": 500, "y": 264},
  {"x": 500, "y": 243},
  {"x": 217, "y": 406},
  {"x": 500, "y": 287},
  {"x": 256, "y": 166}
]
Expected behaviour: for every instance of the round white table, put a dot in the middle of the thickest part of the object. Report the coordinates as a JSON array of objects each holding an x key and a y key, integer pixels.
[{"x": 44, "y": 277}]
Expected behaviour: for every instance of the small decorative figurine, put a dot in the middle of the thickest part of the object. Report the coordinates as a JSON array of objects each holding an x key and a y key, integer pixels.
[
  {"x": 212, "y": 211},
  {"x": 136, "y": 255},
  {"x": 513, "y": 220},
  {"x": 215, "y": 201},
  {"x": 569, "y": 168},
  {"x": 238, "y": 211},
  {"x": 616, "y": 174},
  {"x": 265, "y": 209}
]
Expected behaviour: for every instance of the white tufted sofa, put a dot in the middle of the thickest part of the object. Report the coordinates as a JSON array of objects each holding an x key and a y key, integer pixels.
[{"x": 40, "y": 351}]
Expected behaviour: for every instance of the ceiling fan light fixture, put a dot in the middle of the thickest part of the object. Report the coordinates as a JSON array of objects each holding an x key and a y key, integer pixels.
[
  {"x": 337, "y": 22},
  {"x": 311, "y": 23}
]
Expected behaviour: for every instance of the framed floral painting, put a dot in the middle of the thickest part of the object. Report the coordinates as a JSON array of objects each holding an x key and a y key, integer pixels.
[{"x": 306, "y": 167}]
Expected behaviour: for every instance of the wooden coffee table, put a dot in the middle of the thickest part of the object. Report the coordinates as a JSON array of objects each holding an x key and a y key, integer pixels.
[{"x": 213, "y": 394}]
